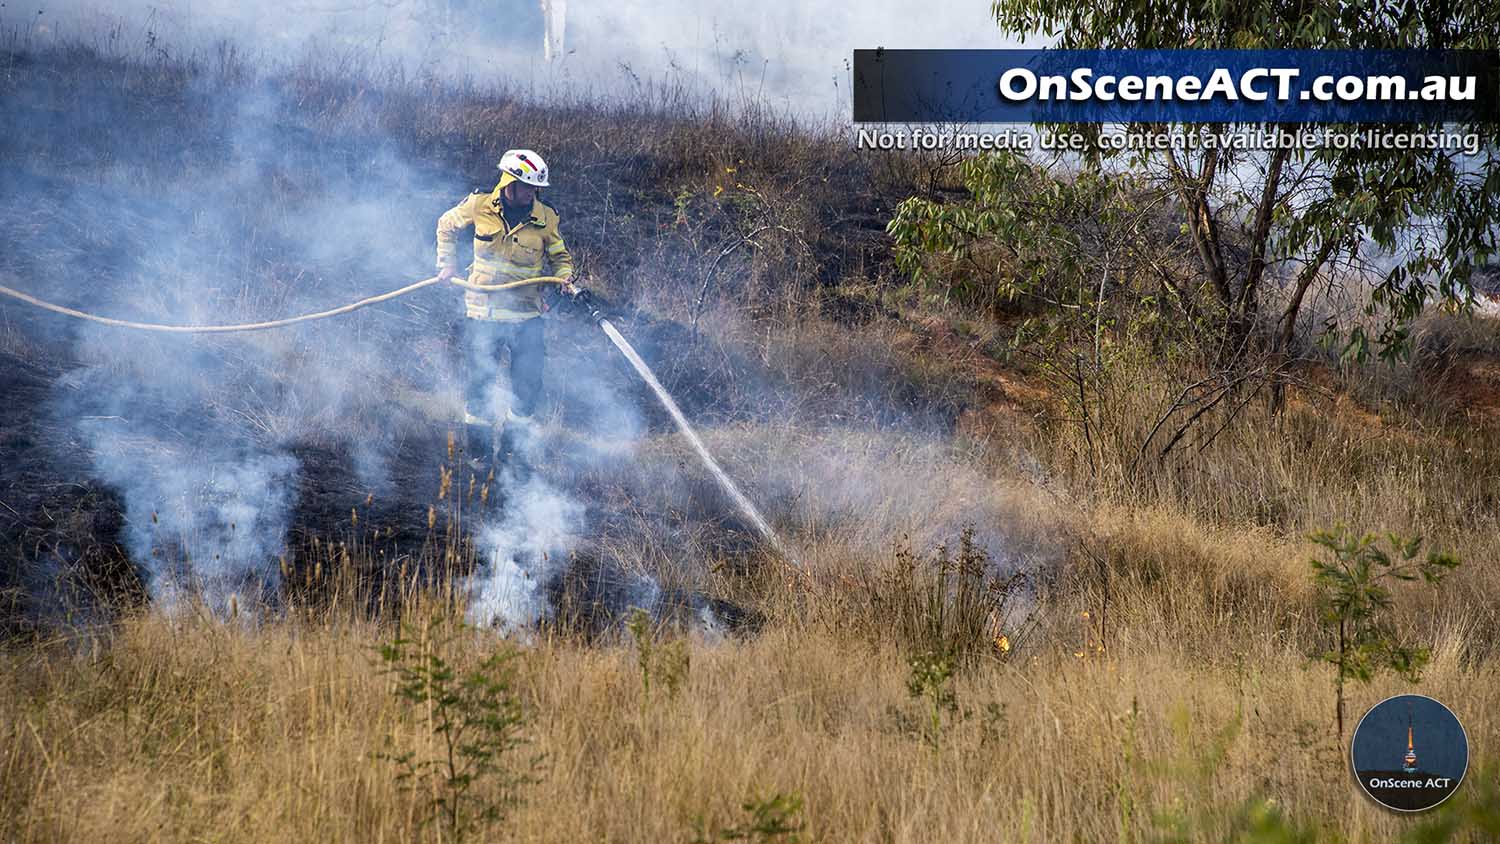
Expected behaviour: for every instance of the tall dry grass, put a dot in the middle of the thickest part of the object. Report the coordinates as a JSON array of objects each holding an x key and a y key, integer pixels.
[
  {"x": 190, "y": 729},
  {"x": 1229, "y": 508}
]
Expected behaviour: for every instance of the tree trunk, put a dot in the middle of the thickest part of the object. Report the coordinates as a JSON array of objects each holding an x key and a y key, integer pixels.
[
  {"x": 1261, "y": 233},
  {"x": 1287, "y": 330},
  {"x": 1339, "y": 685}
]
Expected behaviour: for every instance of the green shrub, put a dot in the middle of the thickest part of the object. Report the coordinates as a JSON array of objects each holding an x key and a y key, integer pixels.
[
  {"x": 1355, "y": 598},
  {"x": 773, "y": 820},
  {"x": 666, "y": 662},
  {"x": 478, "y": 718}
]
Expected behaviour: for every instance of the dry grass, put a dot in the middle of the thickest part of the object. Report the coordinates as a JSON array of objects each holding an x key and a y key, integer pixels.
[
  {"x": 193, "y": 730},
  {"x": 1234, "y": 502}
]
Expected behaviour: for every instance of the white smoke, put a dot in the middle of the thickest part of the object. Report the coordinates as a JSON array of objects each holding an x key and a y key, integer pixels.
[
  {"x": 520, "y": 553},
  {"x": 201, "y": 519},
  {"x": 791, "y": 54},
  {"x": 197, "y": 434}
]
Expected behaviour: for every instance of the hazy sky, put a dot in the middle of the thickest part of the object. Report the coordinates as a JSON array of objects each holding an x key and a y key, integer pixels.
[{"x": 793, "y": 53}]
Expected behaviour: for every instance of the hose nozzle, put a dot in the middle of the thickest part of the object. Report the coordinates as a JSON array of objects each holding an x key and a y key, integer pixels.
[{"x": 589, "y": 303}]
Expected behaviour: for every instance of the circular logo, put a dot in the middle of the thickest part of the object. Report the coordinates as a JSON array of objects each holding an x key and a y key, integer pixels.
[{"x": 1409, "y": 753}]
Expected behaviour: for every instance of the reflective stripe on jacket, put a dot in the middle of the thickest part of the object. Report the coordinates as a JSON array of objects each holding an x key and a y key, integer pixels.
[{"x": 503, "y": 253}]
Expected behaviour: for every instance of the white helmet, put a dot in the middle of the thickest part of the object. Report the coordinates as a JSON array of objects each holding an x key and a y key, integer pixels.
[{"x": 526, "y": 166}]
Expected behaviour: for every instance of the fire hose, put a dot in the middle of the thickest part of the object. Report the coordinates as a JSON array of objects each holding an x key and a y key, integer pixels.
[{"x": 279, "y": 323}]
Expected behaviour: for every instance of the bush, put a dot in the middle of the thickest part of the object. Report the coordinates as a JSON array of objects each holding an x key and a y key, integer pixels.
[
  {"x": 478, "y": 719},
  {"x": 945, "y": 608},
  {"x": 1355, "y": 597}
]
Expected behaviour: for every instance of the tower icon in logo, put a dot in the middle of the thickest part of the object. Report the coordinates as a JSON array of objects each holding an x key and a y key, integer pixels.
[{"x": 1409, "y": 762}]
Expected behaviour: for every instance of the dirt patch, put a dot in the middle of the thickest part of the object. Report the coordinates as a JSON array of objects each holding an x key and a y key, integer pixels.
[{"x": 1473, "y": 382}]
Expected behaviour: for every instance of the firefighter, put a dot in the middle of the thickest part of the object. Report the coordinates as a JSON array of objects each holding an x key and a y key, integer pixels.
[{"x": 514, "y": 235}]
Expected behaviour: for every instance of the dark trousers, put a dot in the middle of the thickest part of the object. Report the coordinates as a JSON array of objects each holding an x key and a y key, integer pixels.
[{"x": 484, "y": 341}]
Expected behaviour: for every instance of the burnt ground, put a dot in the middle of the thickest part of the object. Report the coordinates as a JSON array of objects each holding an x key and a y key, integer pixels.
[
  {"x": 390, "y": 537},
  {"x": 59, "y": 529},
  {"x": 62, "y": 530}
]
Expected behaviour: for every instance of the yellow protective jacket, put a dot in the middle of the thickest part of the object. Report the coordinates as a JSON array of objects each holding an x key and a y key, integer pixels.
[{"x": 503, "y": 254}]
